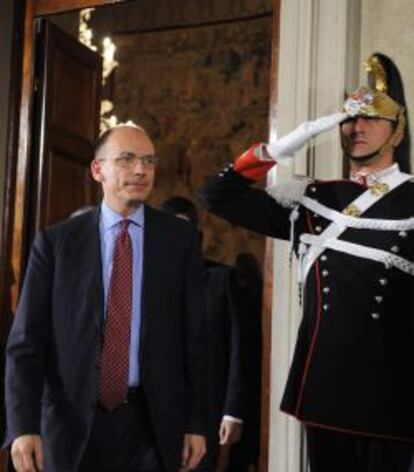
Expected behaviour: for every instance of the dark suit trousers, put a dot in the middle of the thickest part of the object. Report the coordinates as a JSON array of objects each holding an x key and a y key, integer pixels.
[
  {"x": 122, "y": 440},
  {"x": 333, "y": 451}
]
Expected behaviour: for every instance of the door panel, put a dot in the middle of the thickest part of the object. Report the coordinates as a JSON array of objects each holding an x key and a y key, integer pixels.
[
  {"x": 67, "y": 177},
  {"x": 66, "y": 127}
]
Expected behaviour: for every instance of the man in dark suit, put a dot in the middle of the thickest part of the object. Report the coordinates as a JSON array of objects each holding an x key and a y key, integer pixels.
[
  {"x": 226, "y": 384},
  {"x": 106, "y": 365}
]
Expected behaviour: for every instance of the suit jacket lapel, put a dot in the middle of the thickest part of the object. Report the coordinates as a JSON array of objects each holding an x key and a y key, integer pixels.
[
  {"x": 154, "y": 258},
  {"x": 85, "y": 255}
]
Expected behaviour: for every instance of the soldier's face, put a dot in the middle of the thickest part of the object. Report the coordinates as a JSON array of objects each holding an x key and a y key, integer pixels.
[{"x": 363, "y": 136}]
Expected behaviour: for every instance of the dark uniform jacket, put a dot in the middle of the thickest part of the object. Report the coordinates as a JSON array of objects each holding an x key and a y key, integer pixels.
[
  {"x": 53, "y": 352},
  {"x": 353, "y": 366}
]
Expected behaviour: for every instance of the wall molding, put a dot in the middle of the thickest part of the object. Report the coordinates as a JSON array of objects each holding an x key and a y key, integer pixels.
[{"x": 312, "y": 82}]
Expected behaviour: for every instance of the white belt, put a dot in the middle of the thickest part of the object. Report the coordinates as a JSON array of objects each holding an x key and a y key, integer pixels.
[{"x": 348, "y": 221}]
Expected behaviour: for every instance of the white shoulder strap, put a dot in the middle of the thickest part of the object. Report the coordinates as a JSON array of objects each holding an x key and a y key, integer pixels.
[{"x": 357, "y": 207}]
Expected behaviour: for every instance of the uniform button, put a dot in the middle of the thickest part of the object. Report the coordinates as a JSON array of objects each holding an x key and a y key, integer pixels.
[
  {"x": 221, "y": 174},
  {"x": 324, "y": 258},
  {"x": 315, "y": 215},
  {"x": 395, "y": 249},
  {"x": 403, "y": 234},
  {"x": 383, "y": 281},
  {"x": 326, "y": 307},
  {"x": 318, "y": 229},
  {"x": 325, "y": 273},
  {"x": 375, "y": 316},
  {"x": 312, "y": 189},
  {"x": 379, "y": 299},
  {"x": 326, "y": 289}
]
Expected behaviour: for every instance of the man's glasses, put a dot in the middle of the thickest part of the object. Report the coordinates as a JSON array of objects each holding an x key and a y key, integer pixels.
[{"x": 129, "y": 161}]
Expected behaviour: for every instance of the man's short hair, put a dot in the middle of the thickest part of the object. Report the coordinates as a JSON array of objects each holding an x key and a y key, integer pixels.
[{"x": 103, "y": 138}]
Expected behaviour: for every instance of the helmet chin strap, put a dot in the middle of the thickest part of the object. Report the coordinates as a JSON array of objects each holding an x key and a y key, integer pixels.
[
  {"x": 364, "y": 158},
  {"x": 378, "y": 152}
]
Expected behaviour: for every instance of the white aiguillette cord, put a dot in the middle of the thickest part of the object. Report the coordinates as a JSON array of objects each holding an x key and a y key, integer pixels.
[
  {"x": 339, "y": 225},
  {"x": 387, "y": 258}
]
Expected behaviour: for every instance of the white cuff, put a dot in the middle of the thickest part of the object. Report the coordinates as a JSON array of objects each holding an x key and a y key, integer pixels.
[{"x": 233, "y": 419}]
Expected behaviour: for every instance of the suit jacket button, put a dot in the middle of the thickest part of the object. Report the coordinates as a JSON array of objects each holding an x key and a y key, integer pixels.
[{"x": 375, "y": 316}]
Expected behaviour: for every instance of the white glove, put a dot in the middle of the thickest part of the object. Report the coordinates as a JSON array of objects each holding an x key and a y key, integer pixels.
[{"x": 292, "y": 142}]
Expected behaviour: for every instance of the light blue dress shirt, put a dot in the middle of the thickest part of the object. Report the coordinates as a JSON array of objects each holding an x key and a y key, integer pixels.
[{"x": 109, "y": 227}]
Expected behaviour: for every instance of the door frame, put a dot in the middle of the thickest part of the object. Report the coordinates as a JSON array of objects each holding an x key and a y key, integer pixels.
[
  {"x": 15, "y": 241},
  {"x": 19, "y": 182}
]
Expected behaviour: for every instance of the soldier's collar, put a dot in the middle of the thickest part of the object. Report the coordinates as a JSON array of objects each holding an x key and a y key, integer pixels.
[{"x": 374, "y": 177}]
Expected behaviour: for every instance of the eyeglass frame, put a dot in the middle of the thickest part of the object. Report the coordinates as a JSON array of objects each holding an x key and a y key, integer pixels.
[{"x": 130, "y": 160}]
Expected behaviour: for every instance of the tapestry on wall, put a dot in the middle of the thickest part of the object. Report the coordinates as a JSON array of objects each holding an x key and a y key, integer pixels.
[{"x": 202, "y": 93}]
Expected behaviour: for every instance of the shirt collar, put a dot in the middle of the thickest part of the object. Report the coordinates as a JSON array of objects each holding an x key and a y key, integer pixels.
[
  {"x": 374, "y": 177},
  {"x": 110, "y": 217}
]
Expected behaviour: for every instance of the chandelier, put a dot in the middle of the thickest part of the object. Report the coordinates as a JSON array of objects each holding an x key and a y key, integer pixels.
[{"x": 107, "y": 118}]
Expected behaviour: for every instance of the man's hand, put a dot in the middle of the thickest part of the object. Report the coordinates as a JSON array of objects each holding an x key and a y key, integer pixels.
[
  {"x": 27, "y": 453},
  {"x": 193, "y": 451},
  {"x": 230, "y": 432}
]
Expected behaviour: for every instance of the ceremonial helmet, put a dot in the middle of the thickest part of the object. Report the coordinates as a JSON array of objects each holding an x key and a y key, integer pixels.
[{"x": 384, "y": 98}]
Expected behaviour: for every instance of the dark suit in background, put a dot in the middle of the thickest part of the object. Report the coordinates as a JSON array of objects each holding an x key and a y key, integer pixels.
[
  {"x": 249, "y": 280},
  {"x": 226, "y": 385},
  {"x": 226, "y": 377}
]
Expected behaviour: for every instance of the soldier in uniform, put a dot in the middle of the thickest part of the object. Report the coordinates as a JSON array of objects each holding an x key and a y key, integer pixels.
[{"x": 351, "y": 382}]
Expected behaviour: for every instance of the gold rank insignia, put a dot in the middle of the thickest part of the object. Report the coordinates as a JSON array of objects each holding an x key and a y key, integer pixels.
[
  {"x": 379, "y": 188},
  {"x": 352, "y": 210}
]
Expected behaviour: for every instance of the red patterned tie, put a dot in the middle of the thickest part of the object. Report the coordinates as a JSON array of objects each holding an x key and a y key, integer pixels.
[{"x": 115, "y": 352}]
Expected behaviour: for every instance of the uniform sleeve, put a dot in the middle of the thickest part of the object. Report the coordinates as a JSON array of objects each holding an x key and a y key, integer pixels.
[{"x": 231, "y": 196}]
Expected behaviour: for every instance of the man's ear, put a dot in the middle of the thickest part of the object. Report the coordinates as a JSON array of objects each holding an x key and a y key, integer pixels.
[
  {"x": 398, "y": 137},
  {"x": 96, "y": 170}
]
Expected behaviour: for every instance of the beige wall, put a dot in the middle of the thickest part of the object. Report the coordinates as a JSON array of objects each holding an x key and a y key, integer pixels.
[{"x": 387, "y": 27}]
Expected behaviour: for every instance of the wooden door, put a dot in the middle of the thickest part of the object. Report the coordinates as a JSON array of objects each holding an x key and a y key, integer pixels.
[{"x": 66, "y": 124}]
